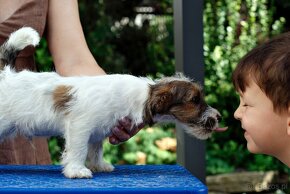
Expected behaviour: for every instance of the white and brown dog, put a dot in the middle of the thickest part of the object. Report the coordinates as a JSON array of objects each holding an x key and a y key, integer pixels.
[{"x": 84, "y": 109}]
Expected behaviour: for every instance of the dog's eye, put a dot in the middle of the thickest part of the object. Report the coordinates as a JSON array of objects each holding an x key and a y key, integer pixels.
[{"x": 196, "y": 99}]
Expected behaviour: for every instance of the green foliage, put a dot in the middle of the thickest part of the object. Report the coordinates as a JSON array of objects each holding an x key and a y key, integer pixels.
[
  {"x": 144, "y": 144},
  {"x": 42, "y": 57},
  {"x": 55, "y": 146},
  {"x": 121, "y": 45},
  {"x": 160, "y": 49}
]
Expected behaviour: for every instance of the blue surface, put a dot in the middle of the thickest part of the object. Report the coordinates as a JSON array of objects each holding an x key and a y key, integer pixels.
[{"x": 124, "y": 179}]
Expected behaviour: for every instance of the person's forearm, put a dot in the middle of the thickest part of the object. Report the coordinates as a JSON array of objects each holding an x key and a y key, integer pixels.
[{"x": 67, "y": 42}]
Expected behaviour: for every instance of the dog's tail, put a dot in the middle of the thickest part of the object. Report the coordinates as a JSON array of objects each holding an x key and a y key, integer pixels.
[{"x": 17, "y": 41}]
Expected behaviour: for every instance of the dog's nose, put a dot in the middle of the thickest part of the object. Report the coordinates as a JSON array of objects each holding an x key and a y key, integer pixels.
[{"x": 219, "y": 117}]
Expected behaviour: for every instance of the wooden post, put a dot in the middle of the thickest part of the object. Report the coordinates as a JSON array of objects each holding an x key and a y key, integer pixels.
[{"x": 188, "y": 40}]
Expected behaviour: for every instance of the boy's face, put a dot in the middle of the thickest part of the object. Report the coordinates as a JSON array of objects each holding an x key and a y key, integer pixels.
[{"x": 265, "y": 130}]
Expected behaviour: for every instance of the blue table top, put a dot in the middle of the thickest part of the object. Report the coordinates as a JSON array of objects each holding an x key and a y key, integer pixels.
[{"x": 124, "y": 179}]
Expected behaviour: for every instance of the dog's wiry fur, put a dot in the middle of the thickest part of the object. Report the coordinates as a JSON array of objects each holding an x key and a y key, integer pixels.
[{"x": 84, "y": 109}]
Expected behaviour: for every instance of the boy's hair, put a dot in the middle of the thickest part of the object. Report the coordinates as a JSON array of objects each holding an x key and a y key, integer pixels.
[{"x": 268, "y": 65}]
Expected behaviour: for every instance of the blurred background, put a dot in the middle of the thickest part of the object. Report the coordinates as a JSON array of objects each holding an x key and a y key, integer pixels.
[{"x": 136, "y": 37}]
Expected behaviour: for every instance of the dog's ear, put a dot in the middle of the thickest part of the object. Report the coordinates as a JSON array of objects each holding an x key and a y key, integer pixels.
[
  {"x": 158, "y": 102},
  {"x": 162, "y": 97},
  {"x": 166, "y": 95},
  {"x": 172, "y": 97}
]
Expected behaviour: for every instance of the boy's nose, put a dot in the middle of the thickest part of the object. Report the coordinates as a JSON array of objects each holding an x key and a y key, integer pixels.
[{"x": 237, "y": 114}]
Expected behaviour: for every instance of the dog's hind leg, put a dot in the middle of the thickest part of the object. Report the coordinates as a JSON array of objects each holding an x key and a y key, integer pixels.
[
  {"x": 75, "y": 154},
  {"x": 95, "y": 158}
]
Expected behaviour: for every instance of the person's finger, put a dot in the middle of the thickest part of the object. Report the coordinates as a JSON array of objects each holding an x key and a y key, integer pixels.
[
  {"x": 136, "y": 129},
  {"x": 120, "y": 133},
  {"x": 114, "y": 140},
  {"x": 126, "y": 124},
  {"x": 124, "y": 131}
]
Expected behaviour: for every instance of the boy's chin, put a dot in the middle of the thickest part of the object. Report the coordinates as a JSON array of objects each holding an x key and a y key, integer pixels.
[{"x": 253, "y": 148}]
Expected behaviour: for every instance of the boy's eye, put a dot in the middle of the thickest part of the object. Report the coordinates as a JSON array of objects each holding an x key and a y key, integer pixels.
[{"x": 245, "y": 105}]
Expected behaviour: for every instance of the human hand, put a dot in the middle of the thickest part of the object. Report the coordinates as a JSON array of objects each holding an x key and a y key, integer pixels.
[{"x": 124, "y": 131}]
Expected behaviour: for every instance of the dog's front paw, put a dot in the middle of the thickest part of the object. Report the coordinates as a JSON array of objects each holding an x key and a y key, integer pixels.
[
  {"x": 75, "y": 171},
  {"x": 102, "y": 167}
]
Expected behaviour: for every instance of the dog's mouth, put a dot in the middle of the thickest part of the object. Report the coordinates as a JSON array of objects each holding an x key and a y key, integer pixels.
[
  {"x": 212, "y": 124},
  {"x": 201, "y": 127},
  {"x": 204, "y": 129}
]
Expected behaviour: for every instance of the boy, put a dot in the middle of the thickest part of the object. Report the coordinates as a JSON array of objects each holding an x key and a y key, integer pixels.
[{"x": 262, "y": 79}]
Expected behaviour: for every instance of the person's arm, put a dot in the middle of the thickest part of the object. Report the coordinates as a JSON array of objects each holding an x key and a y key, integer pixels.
[
  {"x": 66, "y": 40},
  {"x": 71, "y": 55}
]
